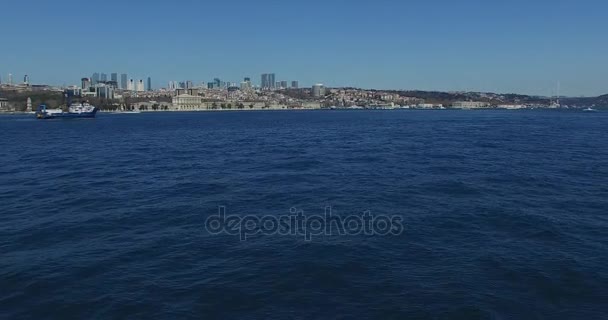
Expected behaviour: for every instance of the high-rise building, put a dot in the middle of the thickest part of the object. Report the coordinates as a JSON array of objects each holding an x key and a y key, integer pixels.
[
  {"x": 247, "y": 79},
  {"x": 104, "y": 91},
  {"x": 140, "y": 86},
  {"x": 114, "y": 77},
  {"x": 86, "y": 83},
  {"x": 131, "y": 85},
  {"x": 283, "y": 84},
  {"x": 318, "y": 90},
  {"x": 264, "y": 81},
  {"x": 10, "y": 79},
  {"x": 149, "y": 84},
  {"x": 189, "y": 84},
  {"x": 268, "y": 81},
  {"x": 95, "y": 78},
  {"x": 295, "y": 85},
  {"x": 123, "y": 81},
  {"x": 104, "y": 77},
  {"x": 26, "y": 80}
]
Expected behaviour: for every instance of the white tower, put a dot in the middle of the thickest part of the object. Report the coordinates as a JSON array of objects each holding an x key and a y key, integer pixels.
[{"x": 140, "y": 85}]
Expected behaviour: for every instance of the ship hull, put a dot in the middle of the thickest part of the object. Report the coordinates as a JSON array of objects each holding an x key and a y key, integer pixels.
[{"x": 67, "y": 115}]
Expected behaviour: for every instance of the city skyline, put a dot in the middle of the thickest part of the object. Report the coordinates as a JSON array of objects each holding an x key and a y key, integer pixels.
[{"x": 516, "y": 47}]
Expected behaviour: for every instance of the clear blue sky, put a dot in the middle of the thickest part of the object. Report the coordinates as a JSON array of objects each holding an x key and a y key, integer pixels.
[{"x": 500, "y": 46}]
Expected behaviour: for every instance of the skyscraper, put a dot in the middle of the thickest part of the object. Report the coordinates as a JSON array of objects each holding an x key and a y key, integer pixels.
[
  {"x": 86, "y": 83},
  {"x": 294, "y": 84},
  {"x": 140, "y": 86},
  {"x": 123, "y": 81},
  {"x": 283, "y": 84},
  {"x": 149, "y": 84},
  {"x": 95, "y": 78},
  {"x": 268, "y": 81},
  {"x": 104, "y": 77},
  {"x": 131, "y": 85},
  {"x": 114, "y": 77},
  {"x": 264, "y": 81},
  {"x": 26, "y": 80}
]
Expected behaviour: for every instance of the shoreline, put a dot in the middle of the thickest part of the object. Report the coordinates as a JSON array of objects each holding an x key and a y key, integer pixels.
[{"x": 23, "y": 113}]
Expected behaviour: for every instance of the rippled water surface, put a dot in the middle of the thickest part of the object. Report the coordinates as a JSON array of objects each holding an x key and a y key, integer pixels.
[{"x": 505, "y": 215}]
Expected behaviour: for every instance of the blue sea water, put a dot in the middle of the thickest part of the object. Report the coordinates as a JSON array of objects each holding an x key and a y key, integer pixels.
[{"x": 505, "y": 215}]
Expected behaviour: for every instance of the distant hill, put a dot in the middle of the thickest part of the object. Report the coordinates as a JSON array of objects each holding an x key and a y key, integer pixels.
[{"x": 601, "y": 101}]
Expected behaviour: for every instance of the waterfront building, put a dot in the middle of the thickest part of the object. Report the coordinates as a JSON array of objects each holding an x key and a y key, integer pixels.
[
  {"x": 295, "y": 84},
  {"x": 187, "y": 102},
  {"x": 470, "y": 104},
  {"x": 3, "y": 104},
  {"x": 123, "y": 81},
  {"x": 95, "y": 78},
  {"x": 149, "y": 84},
  {"x": 318, "y": 90}
]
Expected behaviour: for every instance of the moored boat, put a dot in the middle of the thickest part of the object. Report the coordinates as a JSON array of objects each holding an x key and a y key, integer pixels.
[{"x": 80, "y": 110}]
